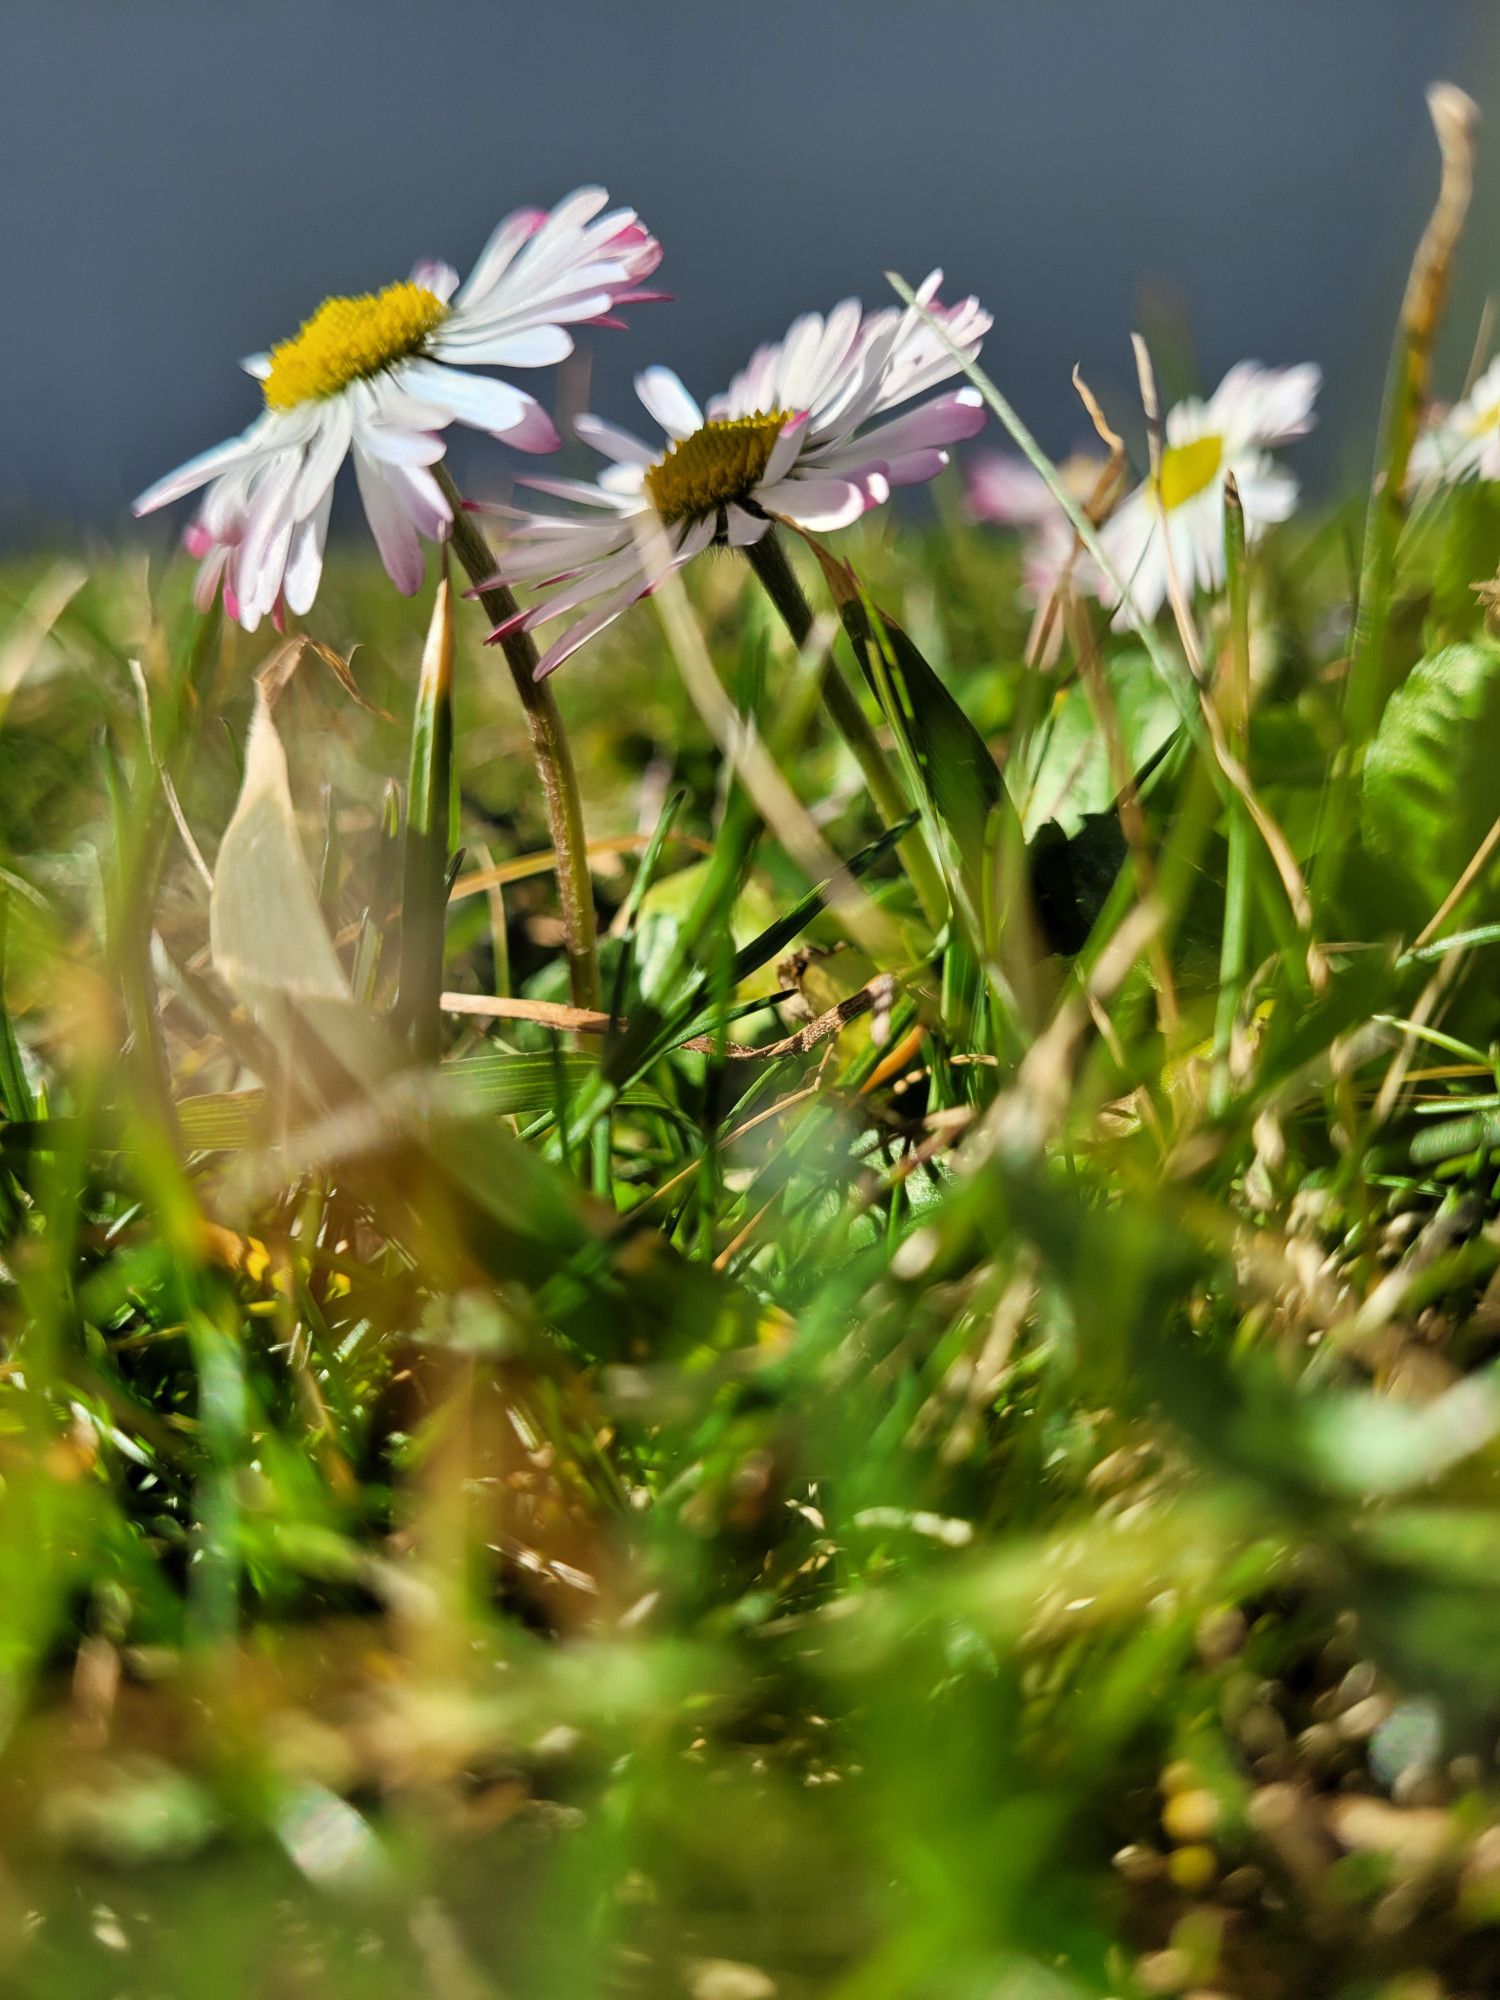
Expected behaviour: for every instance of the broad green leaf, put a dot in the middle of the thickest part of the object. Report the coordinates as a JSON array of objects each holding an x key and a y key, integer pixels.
[
  {"x": 1070, "y": 776},
  {"x": 961, "y": 778},
  {"x": 1430, "y": 785}
]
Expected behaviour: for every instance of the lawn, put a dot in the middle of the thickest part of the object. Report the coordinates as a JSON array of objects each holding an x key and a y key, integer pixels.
[{"x": 918, "y": 1422}]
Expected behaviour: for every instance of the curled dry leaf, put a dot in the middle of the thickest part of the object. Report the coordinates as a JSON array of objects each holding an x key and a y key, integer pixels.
[{"x": 269, "y": 942}]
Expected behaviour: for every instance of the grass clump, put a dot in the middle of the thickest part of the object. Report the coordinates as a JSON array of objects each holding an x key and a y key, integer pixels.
[{"x": 942, "y": 1441}]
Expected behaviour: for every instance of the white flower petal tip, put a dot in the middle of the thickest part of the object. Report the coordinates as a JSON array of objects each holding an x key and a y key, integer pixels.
[
  {"x": 1463, "y": 442},
  {"x": 535, "y": 432},
  {"x": 811, "y": 432},
  {"x": 380, "y": 377},
  {"x": 1007, "y": 491}
]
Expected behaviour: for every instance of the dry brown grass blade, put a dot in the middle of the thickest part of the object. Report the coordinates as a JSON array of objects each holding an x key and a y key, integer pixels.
[
  {"x": 771, "y": 1111},
  {"x": 1047, "y": 627},
  {"x": 1478, "y": 861},
  {"x": 586, "y": 1021},
  {"x": 523, "y": 866},
  {"x": 280, "y": 668},
  {"x": 1454, "y": 117}
]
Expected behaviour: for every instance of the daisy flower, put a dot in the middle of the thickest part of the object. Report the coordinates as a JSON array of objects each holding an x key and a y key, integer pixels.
[
  {"x": 378, "y": 378},
  {"x": 1006, "y": 489},
  {"x": 802, "y": 434},
  {"x": 1464, "y": 443},
  {"x": 1252, "y": 409}
]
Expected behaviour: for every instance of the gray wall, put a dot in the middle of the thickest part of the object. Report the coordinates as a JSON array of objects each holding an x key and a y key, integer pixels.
[{"x": 182, "y": 180}]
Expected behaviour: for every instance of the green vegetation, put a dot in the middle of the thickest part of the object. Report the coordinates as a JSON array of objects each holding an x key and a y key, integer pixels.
[{"x": 946, "y": 1448}]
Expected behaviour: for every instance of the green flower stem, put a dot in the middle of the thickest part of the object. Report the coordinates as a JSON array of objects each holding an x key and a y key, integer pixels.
[
  {"x": 1235, "y": 707},
  {"x": 549, "y": 749},
  {"x": 768, "y": 558}
]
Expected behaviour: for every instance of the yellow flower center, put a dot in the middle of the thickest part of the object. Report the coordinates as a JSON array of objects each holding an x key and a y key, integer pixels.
[
  {"x": 719, "y": 463},
  {"x": 1187, "y": 468},
  {"x": 347, "y": 340}
]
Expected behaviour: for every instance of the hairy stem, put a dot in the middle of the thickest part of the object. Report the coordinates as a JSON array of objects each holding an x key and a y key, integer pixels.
[{"x": 549, "y": 749}]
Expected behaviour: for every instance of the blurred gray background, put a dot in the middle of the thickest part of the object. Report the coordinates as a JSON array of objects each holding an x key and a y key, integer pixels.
[{"x": 181, "y": 181}]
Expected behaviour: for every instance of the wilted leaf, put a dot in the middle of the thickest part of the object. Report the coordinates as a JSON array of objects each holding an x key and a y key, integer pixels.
[{"x": 270, "y": 945}]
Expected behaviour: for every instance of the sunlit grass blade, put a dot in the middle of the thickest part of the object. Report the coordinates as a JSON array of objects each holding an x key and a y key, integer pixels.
[{"x": 430, "y": 808}]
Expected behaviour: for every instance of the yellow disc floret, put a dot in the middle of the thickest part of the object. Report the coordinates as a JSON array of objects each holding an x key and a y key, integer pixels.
[
  {"x": 720, "y": 462},
  {"x": 347, "y": 340},
  {"x": 1187, "y": 468}
]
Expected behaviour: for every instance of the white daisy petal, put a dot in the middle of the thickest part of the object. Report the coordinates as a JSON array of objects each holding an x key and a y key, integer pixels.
[
  {"x": 526, "y": 347},
  {"x": 1464, "y": 443},
  {"x": 1268, "y": 492},
  {"x": 395, "y": 537},
  {"x": 1129, "y": 537},
  {"x": 262, "y": 437},
  {"x": 324, "y": 457},
  {"x": 481, "y": 401},
  {"x": 210, "y": 576},
  {"x": 588, "y": 627},
  {"x": 664, "y": 396},
  {"x": 434, "y": 276},
  {"x": 424, "y": 500},
  {"x": 612, "y": 441},
  {"x": 816, "y": 504},
  {"x": 400, "y": 447},
  {"x": 1263, "y": 406},
  {"x": 269, "y": 521},
  {"x": 580, "y": 490},
  {"x": 304, "y": 563},
  {"x": 799, "y": 354},
  {"x": 1005, "y": 488},
  {"x": 785, "y": 451},
  {"x": 497, "y": 256},
  {"x": 742, "y": 529},
  {"x": 943, "y": 421}
]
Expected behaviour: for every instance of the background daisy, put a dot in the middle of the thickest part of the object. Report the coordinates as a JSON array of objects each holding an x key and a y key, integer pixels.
[
  {"x": 378, "y": 378},
  {"x": 1007, "y": 490},
  {"x": 1465, "y": 442},
  {"x": 1252, "y": 409}
]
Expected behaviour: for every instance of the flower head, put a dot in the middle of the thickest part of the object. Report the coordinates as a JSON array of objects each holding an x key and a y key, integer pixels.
[
  {"x": 801, "y": 434},
  {"x": 1252, "y": 409},
  {"x": 1464, "y": 443},
  {"x": 379, "y": 377}
]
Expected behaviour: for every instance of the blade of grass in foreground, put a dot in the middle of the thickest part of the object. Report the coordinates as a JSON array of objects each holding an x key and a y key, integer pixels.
[
  {"x": 429, "y": 835},
  {"x": 1235, "y": 700}
]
